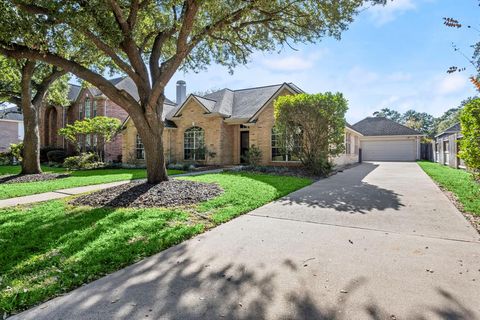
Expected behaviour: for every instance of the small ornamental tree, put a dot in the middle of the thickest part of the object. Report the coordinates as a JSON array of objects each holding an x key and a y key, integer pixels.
[
  {"x": 470, "y": 143},
  {"x": 311, "y": 128},
  {"x": 102, "y": 129}
]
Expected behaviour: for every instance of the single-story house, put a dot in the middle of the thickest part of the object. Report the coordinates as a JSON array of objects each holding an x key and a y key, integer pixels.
[
  {"x": 386, "y": 140},
  {"x": 220, "y": 127},
  {"x": 446, "y": 146},
  {"x": 11, "y": 127}
]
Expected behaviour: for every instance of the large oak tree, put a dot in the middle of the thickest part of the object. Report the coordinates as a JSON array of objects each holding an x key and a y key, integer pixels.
[{"x": 149, "y": 40}]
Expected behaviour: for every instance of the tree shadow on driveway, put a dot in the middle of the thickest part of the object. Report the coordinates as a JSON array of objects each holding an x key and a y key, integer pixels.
[
  {"x": 347, "y": 192},
  {"x": 178, "y": 285}
]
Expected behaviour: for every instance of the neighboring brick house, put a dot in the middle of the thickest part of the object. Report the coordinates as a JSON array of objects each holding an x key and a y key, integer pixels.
[
  {"x": 446, "y": 147},
  {"x": 220, "y": 127},
  {"x": 86, "y": 102},
  {"x": 11, "y": 128}
]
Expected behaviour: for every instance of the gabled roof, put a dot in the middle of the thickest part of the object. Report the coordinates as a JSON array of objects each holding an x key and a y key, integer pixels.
[
  {"x": 381, "y": 126},
  {"x": 127, "y": 84},
  {"x": 11, "y": 113},
  {"x": 349, "y": 126},
  {"x": 456, "y": 128},
  {"x": 73, "y": 92},
  {"x": 238, "y": 104}
]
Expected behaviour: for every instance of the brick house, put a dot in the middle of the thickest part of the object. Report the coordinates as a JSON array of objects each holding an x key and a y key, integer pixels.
[
  {"x": 85, "y": 102},
  {"x": 11, "y": 128},
  {"x": 220, "y": 127}
]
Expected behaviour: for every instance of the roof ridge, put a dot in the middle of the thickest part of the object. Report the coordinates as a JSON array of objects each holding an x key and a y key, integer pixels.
[
  {"x": 260, "y": 87},
  {"x": 198, "y": 96}
]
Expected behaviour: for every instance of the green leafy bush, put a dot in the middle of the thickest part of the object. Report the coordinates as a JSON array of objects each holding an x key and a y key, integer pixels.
[
  {"x": 470, "y": 143},
  {"x": 57, "y": 156},
  {"x": 253, "y": 156},
  {"x": 17, "y": 150},
  {"x": 6, "y": 158},
  {"x": 83, "y": 161}
]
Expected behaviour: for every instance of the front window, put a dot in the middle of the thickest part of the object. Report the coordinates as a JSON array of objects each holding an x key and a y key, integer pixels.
[
  {"x": 348, "y": 143},
  {"x": 194, "y": 144},
  {"x": 140, "y": 149},
  {"x": 87, "y": 108},
  {"x": 94, "y": 108},
  {"x": 293, "y": 143},
  {"x": 80, "y": 111}
]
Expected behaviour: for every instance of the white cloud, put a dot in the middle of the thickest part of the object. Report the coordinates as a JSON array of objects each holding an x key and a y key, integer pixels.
[
  {"x": 452, "y": 83},
  {"x": 361, "y": 76},
  {"x": 394, "y": 8},
  {"x": 292, "y": 62},
  {"x": 399, "y": 76}
]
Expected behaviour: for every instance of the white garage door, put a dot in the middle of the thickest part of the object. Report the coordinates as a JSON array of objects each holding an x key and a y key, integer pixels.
[{"x": 389, "y": 150}]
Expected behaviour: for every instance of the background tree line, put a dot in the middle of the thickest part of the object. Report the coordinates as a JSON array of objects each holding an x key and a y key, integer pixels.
[{"x": 425, "y": 122}]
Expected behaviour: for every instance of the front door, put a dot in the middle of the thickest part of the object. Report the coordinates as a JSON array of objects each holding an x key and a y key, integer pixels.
[{"x": 244, "y": 144}]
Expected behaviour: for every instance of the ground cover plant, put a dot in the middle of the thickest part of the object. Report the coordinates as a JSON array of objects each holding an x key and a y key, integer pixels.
[
  {"x": 53, "y": 247},
  {"x": 76, "y": 179}
]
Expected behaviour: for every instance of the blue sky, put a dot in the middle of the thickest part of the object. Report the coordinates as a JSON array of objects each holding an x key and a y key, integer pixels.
[{"x": 394, "y": 56}]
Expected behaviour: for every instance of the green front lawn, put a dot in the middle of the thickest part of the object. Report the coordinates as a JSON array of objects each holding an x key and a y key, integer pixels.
[
  {"x": 457, "y": 181},
  {"x": 76, "y": 179},
  {"x": 51, "y": 248}
]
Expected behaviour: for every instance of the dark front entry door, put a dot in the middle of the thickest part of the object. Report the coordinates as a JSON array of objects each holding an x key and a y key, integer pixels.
[{"x": 244, "y": 143}]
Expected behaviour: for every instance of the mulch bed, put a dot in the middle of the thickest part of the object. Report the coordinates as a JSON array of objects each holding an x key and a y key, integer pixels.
[
  {"x": 20, "y": 178},
  {"x": 140, "y": 194}
]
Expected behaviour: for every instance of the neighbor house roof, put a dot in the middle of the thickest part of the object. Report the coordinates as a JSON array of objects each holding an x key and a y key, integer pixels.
[
  {"x": 127, "y": 84},
  {"x": 238, "y": 104},
  {"x": 11, "y": 113},
  {"x": 381, "y": 126},
  {"x": 73, "y": 92},
  {"x": 456, "y": 128}
]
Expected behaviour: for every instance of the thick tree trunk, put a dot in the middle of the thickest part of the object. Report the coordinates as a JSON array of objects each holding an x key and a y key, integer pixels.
[
  {"x": 31, "y": 139},
  {"x": 150, "y": 130}
]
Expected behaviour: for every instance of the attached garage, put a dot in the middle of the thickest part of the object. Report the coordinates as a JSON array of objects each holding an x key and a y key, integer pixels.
[
  {"x": 387, "y": 140},
  {"x": 389, "y": 150}
]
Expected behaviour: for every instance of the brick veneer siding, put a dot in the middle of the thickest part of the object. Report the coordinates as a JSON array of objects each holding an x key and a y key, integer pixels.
[
  {"x": 129, "y": 144},
  {"x": 9, "y": 134},
  {"x": 105, "y": 107},
  {"x": 261, "y": 133}
]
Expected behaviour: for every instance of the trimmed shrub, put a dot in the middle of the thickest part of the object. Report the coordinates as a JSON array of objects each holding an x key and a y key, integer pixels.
[
  {"x": 57, "y": 156},
  {"x": 253, "y": 156},
  {"x": 83, "y": 161},
  {"x": 6, "y": 158}
]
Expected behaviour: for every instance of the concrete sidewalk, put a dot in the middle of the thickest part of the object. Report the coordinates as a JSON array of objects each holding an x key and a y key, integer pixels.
[
  {"x": 63, "y": 193},
  {"x": 357, "y": 245}
]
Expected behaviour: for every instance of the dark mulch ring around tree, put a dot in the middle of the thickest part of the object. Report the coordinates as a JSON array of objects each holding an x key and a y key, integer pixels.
[
  {"x": 20, "y": 178},
  {"x": 140, "y": 194}
]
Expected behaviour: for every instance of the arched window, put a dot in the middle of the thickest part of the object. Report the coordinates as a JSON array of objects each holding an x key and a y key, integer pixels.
[
  {"x": 87, "y": 107},
  {"x": 139, "y": 148},
  {"x": 194, "y": 144}
]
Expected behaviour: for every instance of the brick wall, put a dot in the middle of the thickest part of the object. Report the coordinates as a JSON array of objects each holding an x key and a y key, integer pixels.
[
  {"x": 9, "y": 134},
  {"x": 261, "y": 134}
]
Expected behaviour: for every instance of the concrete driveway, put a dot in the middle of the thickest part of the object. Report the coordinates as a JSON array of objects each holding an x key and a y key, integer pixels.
[{"x": 378, "y": 241}]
